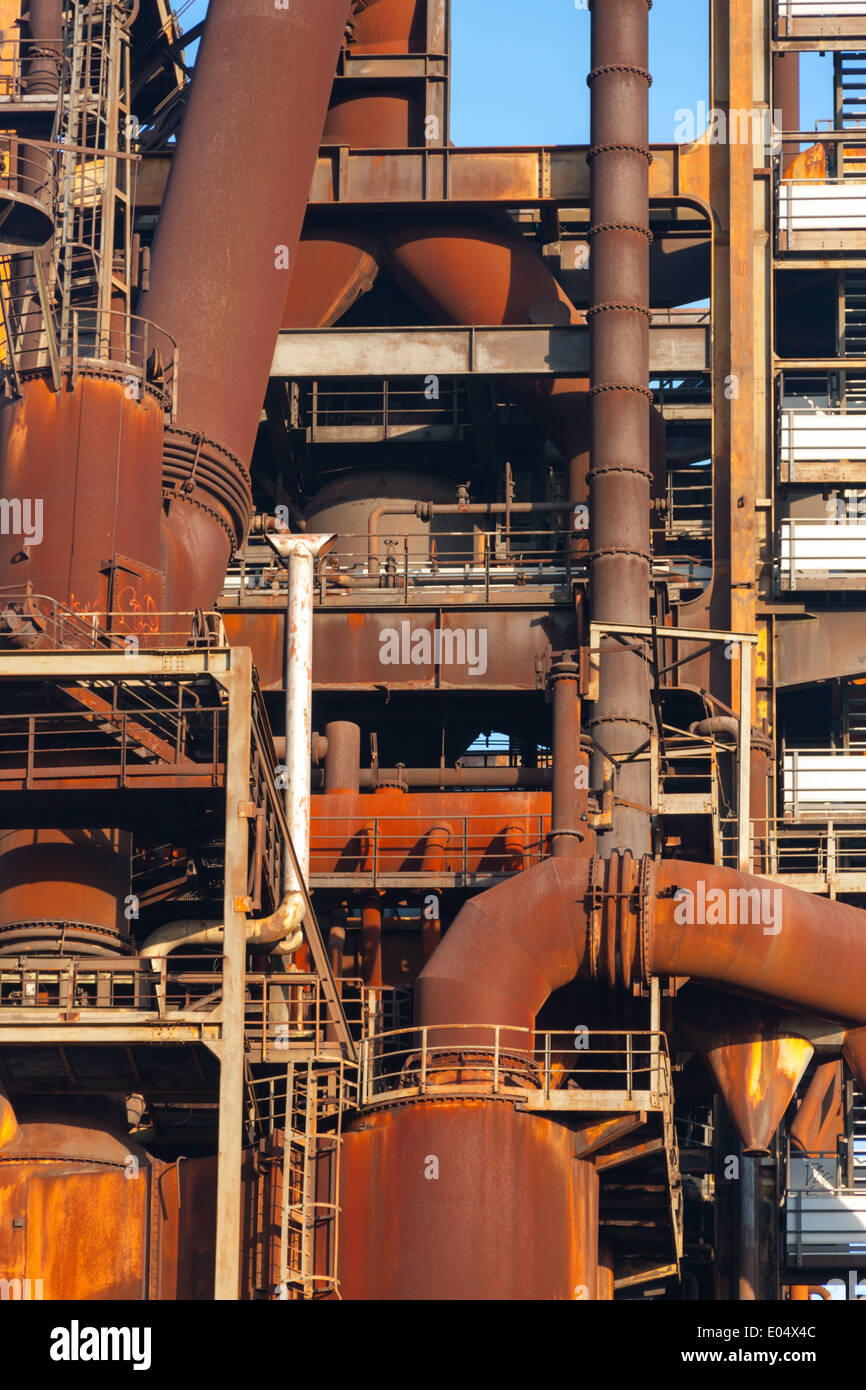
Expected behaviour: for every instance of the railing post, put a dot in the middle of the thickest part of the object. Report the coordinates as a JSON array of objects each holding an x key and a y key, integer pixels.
[
  {"x": 496, "y": 1059},
  {"x": 629, "y": 1065},
  {"x": 423, "y": 1061}
]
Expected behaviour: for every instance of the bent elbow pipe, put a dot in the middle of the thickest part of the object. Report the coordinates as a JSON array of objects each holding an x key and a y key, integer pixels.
[
  {"x": 623, "y": 920},
  {"x": 282, "y": 927},
  {"x": 508, "y": 949}
]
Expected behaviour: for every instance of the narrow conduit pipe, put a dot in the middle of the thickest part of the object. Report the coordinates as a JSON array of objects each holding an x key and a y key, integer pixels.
[
  {"x": 300, "y": 552},
  {"x": 570, "y": 772}
]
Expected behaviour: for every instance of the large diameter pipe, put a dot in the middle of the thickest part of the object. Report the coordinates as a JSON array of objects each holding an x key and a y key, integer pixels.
[
  {"x": 235, "y": 202},
  {"x": 509, "y": 948},
  {"x": 749, "y": 934},
  {"x": 620, "y": 477}
]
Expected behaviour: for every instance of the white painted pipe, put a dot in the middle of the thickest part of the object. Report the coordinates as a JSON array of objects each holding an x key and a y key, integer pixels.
[
  {"x": 301, "y": 553},
  {"x": 282, "y": 928}
]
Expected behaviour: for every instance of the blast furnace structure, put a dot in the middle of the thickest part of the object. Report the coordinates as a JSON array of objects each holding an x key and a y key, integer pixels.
[{"x": 432, "y": 809}]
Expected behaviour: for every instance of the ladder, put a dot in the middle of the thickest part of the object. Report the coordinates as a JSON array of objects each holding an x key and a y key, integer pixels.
[
  {"x": 94, "y": 251},
  {"x": 316, "y": 1097}
]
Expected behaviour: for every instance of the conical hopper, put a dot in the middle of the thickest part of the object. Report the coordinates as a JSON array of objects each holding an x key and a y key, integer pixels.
[{"x": 757, "y": 1078}]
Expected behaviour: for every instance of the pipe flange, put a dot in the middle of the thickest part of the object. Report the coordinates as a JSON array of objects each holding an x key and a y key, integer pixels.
[
  {"x": 619, "y": 468},
  {"x": 608, "y": 68},
  {"x": 598, "y": 227},
  {"x": 621, "y": 386},
  {"x": 203, "y": 472},
  {"x": 618, "y": 146},
  {"x": 611, "y": 305},
  {"x": 563, "y": 671},
  {"x": 620, "y": 550},
  {"x": 620, "y": 719},
  {"x": 65, "y": 938}
]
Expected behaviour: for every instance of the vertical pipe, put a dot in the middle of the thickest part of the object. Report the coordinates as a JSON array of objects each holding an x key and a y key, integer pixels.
[
  {"x": 748, "y": 1240},
  {"x": 620, "y": 476},
  {"x": 435, "y": 851},
  {"x": 234, "y": 205},
  {"x": 301, "y": 552},
  {"x": 371, "y": 939},
  {"x": 337, "y": 939},
  {"x": 568, "y": 802},
  {"x": 343, "y": 758}
]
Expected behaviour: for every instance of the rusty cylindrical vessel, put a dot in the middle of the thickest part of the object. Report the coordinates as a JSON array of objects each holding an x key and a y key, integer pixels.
[{"x": 459, "y": 1199}]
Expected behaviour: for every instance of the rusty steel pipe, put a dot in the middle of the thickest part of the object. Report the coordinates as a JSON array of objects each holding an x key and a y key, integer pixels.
[
  {"x": 371, "y": 938},
  {"x": 443, "y": 778},
  {"x": 343, "y": 757},
  {"x": 233, "y": 209},
  {"x": 507, "y": 950},
  {"x": 620, "y": 476},
  {"x": 569, "y": 800},
  {"x": 623, "y": 921},
  {"x": 226, "y": 241}
]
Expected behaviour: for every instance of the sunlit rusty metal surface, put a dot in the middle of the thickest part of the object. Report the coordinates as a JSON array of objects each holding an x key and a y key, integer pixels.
[{"x": 467, "y": 1200}]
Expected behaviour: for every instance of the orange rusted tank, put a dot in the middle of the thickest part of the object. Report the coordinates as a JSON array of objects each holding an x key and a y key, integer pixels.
[
  {"x": 74, "y": 1197},
  {"x": 64, "y": 890},
  {"x": 466, "y": 1199},
  {"x": 89, "y": 458}
]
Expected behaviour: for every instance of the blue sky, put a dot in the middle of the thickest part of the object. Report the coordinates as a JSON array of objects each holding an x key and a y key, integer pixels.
[{"x": 520, "y": 67}]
